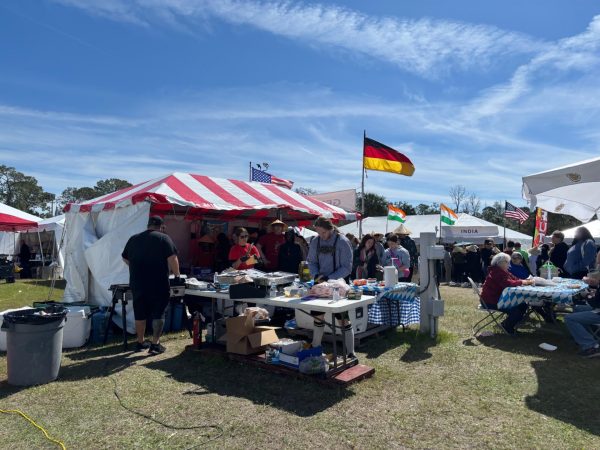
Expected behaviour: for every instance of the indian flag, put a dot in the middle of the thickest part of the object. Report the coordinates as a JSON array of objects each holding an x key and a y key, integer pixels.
[
  {"x": 448, "y": 216},
  {"x": 396, "y": 214}
]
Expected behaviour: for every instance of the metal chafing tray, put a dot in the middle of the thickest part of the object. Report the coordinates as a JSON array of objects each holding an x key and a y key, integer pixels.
[
  {"x": 258, "y": 277},
  {"x": 276, "y": 278}
]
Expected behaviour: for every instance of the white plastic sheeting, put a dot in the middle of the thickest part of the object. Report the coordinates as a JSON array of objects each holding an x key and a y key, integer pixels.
[
  {"x": 7, "y": 243},
  {"x": 93, "y": 254}
]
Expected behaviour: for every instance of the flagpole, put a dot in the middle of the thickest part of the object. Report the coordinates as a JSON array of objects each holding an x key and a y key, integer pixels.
[
  {"x": 504, "y": 219},
  {"x": 440, "y": 225},
  {"x": 250, "y": 171},
  {"x": 362, "y": 187}
]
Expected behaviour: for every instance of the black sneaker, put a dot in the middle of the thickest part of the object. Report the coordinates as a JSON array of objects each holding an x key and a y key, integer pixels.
[
  {"x": 141, "y": 347},
  {"x": 156, "y": 349},
  {"x": 593, "y": 352}
]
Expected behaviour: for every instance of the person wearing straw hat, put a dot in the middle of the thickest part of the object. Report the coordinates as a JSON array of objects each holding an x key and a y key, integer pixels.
[
  {"x": 268, "y": 245},
  {"x": 405, "y": 241}
]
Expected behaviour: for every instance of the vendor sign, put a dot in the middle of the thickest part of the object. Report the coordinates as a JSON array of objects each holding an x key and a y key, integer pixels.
[{"x": 455, "y": 232}]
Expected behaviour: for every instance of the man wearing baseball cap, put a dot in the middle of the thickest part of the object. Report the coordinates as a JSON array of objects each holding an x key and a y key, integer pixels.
[{"x": 150, "y": 255}]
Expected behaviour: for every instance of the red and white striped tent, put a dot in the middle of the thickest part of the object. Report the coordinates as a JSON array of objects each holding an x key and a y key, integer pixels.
[
  {"x": 199, "y": 196},
  {"x": 12, "y": 219}
]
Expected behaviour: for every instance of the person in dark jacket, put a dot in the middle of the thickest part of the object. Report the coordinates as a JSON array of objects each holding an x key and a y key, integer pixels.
[
  {"x": 366, "y": 259},
  {"x": 222, "y": 252},
  {"x": 558, "y": 253},
  {"x": 473, "y": 263},
  {"x": 24, "y": 257},
  {"x": 487, "y": 254},
  {"x": 290, "y": 253},
  {"x": 582, "y": 254},
  {"x": 497, "y": 280},
  {"x": 543, "y": 258}
]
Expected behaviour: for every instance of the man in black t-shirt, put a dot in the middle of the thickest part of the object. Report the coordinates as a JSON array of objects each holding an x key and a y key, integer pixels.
[
  {"x": 558, "y": 253},
  {"x": 150, "y": 255}
]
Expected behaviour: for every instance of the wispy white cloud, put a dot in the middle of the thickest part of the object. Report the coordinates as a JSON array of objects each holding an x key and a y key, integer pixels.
[
  {"x": 426, "y": 47},
  {"x": 576, "y": 53}
]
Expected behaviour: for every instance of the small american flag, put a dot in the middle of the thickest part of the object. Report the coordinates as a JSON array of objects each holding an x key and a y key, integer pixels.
[
  {"x": 263, "y": 177},
  {"x": 512, "y": 212}
]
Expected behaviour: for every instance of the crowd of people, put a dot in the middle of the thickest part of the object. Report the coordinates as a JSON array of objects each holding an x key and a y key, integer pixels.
[
  {"x": 580, "y": 260},
  {"x": 473, "y": 261}
]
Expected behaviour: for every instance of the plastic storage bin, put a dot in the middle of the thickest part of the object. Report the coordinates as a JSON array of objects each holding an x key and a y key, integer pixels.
[
  {"x": 358, "y": 316},
  {"x": 76, "y": 331}
]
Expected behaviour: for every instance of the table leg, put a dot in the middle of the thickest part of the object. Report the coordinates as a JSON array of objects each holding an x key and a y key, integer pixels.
[
  {"x": 110, "y": 316},
  {"x": 333, "y": 331},
  {"x": 124, "y": 313},
  {"x": 213, "y": 321},
  {"x": 343, "y": 330}
]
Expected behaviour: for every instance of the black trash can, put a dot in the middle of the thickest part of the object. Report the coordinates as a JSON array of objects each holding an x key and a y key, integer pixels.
[{"x": 34, "y": 344}]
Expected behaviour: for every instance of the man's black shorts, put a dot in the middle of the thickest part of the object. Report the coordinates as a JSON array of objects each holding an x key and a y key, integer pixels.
[{"x": 150, "y": 308}]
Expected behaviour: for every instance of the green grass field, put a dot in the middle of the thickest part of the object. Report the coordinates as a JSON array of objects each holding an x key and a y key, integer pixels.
[{"x": 456, "y": 392}]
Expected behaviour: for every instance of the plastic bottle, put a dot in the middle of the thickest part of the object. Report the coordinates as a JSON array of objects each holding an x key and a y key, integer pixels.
[{"x": 273, "y": 291}]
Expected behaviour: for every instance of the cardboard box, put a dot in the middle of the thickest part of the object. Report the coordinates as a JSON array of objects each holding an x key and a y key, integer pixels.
[
  {"x": 244, "y": 338},
  {"x": 293, "y": 361}
]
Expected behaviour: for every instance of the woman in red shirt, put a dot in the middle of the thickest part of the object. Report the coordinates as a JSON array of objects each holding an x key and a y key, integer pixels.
[
  {"x": 497, "y": 280},
  {"x": 243, "y": 255}
]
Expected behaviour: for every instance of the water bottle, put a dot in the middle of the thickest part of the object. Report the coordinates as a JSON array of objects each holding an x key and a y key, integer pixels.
[
  {"x": 336, "y": 293},
  {"x": 273, "y": 291}
]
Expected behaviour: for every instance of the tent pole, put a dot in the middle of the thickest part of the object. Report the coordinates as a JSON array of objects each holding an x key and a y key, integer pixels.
[{"x": 41, "y": 249}]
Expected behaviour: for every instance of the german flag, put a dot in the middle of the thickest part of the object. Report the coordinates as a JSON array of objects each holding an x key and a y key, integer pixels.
[{"x": 377, "y": 156}]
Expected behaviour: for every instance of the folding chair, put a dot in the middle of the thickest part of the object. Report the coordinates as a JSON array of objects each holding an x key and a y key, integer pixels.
[
  {"x": 493, "y": 316},
  {"x": 595, "y": 330}
]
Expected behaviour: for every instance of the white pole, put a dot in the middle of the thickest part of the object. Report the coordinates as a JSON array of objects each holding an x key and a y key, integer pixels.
[{"x": 428, "y": 288}]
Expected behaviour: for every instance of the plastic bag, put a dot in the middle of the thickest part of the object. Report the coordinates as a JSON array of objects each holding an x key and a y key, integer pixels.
[
  {"x": 314, "y": 365},
  {"x": 325, "y": 290}
]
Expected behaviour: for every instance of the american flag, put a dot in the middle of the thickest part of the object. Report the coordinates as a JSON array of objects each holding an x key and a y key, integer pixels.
[
  {"x": 263, "y": 177},
  {"x": 512, "y": 212}
]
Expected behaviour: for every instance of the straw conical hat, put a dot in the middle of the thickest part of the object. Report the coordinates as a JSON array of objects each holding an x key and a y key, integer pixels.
[{"x": 402, "y": 230}]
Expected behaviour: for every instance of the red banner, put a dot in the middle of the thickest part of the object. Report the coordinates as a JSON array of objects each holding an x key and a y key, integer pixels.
[{"x": 541, "y": 227}]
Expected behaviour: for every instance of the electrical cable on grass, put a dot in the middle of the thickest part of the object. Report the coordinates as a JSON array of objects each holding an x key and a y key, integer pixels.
[
  {"x": 39, "y": 427},
  {"x": 172, "y": 427}
]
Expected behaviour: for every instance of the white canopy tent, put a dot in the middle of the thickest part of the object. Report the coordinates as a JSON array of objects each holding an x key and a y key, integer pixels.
[
  {"x": 55, "y": 227},
  {"x": 593, "y": 226},
  {"x": 573, "y": 189},
  {"x": 467, "y": 228}
]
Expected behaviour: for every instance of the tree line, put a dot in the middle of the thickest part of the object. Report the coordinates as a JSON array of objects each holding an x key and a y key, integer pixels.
[{"x": 23, "y": 192}]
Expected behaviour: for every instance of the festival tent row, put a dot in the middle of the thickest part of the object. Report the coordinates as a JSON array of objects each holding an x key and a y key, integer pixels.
[
  {"x": 12, "y": 221},
  {"x": 192, "y": 206},
  {"x": 17, "y": 226},
  {"x": 467, "y": 228}
]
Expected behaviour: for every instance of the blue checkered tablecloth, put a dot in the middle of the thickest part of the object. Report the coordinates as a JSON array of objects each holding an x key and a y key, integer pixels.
[
  {"x": 394, "y": 306},
  {"x": 559, "y": 294}
]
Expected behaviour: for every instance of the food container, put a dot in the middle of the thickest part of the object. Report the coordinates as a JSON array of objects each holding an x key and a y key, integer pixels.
[{"x": 354, "y": 294}]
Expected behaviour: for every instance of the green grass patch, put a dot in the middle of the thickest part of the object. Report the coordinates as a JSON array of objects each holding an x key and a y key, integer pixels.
[{"x": 450, "y": 392}]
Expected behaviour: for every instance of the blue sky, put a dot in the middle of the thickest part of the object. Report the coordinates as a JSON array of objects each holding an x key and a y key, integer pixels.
[{"x": 475, "y": 93}]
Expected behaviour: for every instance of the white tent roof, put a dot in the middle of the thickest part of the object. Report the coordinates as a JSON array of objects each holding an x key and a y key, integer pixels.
[
  {"x": 51, "y": 224},
  {"x": 593, "y": 226},
  {"x": 427, "y": 223},
  {"x": 572, "y": 189}
]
